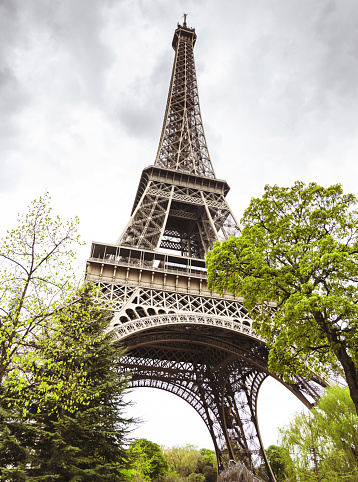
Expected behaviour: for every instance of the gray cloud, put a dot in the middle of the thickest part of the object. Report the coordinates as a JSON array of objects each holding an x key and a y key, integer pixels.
[
  {"x": 11, "y": 91},
  {"x": 277, "y": 80},
  {"x": 138, "y": 110},
  {"x": 52, "y": 59},
  {"x": 61, "y": 41},
  {"x": 286, "y": 82}
]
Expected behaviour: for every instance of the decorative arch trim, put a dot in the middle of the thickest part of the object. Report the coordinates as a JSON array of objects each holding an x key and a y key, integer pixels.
[{"x": 135, "y": 326}]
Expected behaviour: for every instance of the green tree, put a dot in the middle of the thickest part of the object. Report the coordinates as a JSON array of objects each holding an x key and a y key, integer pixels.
[
  {"x": 171, "y": 476},
  {"x": 187, "y": 463},
  {"x": 183, "y": 460},
  {"x": 281, "y": 463},
  {"x": 196, "y": 477},
  {"x": 207, "y": 464},
  {"x": 208, "y": 457},
  {"x": 296, "y": 265},
  {"x": 304, "y": 440},
  {"x": 324, "y": 442},
  {"x": 147, "y": 461},
  {"x": 36, "y": 279},
  {"x": 53, "y": 440},
  {"x": 339, "y": 423}
]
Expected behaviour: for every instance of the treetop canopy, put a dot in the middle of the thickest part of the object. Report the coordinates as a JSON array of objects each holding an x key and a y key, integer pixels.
[{"x": 298, "y": 248}]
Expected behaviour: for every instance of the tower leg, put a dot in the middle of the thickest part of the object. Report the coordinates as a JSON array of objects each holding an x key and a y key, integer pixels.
[
  {"x": 239, "y": 408},
  {"x": 224, "y": 397}
]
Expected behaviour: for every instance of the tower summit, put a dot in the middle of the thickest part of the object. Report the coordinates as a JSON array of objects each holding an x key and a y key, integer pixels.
[
  {"x": 182, "y": 143},
  {"x": 180, "y": 336}
]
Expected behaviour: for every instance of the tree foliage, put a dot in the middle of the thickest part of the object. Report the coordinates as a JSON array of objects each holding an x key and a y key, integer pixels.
[
  {"x": 298, "y": 251},
  {"x": 324, "y": 442},
  {"x": 182, "y": 460},
  {"x": 188, "y": 464},
  {"x": 47, "y": 438},
  {"x": 207, "y": 464},
  {"x": 281, "y": 463},
  {"x": 61, "y": 383},
  {"x": 35, "y": 280},
  {"x": 147, "y": 461}
]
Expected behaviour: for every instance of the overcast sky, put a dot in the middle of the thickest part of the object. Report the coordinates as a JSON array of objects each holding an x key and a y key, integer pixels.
[{"x": 83, "y": 87}]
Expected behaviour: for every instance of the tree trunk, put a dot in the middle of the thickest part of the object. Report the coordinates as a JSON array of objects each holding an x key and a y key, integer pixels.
[
  {"x": 351, "y": 373},
  {"x": 340, "y": 351}
]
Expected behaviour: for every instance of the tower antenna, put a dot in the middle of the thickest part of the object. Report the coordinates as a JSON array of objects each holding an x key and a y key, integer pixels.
[{"x": 184, "y": 23}]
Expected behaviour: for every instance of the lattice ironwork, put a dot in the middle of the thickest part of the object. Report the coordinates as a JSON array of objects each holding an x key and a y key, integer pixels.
[
  {"x": 184, "y": 215},
  {"x": 180, "y": 336},
  {"x": 182, "y": 144},
  {"x": 145, "y": 226},
  {"x": 156, "y": 302},
  {"x": 217, "y": 370},
  {"x": 179, "y": 218}
]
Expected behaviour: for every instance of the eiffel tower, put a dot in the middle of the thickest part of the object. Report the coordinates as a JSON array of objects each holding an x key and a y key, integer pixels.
[{"x": 182, "y": 337}]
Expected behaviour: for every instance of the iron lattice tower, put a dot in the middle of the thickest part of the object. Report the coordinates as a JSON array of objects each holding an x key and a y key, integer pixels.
[{"x": 181, "y": 337}]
